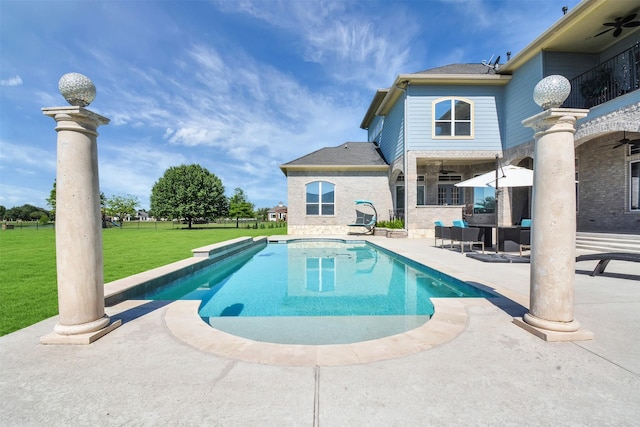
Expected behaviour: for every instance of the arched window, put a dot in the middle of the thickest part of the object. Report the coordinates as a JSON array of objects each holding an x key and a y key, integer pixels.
[
  {"x": 320, "y": 198},
  {"x": 452, "y": 117}
]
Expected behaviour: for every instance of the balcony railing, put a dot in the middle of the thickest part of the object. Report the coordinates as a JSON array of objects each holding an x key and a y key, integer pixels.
[{"x": 607, "y": 81}]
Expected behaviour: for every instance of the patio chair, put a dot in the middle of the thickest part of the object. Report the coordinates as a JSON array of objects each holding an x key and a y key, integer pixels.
[
  {"x": 365, "y": 220},
  {"x": 524, "y": 235},
  {"x": 461, "y": 232},
  {"x": 524, "y": 240},
  {"x": 442, "y": 232}
]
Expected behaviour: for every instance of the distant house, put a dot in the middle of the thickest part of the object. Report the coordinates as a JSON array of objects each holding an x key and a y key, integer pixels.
[
  {"x": 143, "y": 216},
  {"x": 434, "y": 128},
  {"x": 277, "y": 213}
]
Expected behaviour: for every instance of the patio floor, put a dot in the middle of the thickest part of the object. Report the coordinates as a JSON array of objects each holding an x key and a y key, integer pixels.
[{"x": 490, "y": 372}]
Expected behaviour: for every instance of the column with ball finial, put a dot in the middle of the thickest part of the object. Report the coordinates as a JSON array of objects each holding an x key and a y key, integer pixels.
[
  {"x": 79, "y": 260},
  {"x": 553, "y": 215}
]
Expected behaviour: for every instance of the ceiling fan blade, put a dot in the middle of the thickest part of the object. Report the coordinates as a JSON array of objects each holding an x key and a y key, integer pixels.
[
  {"x": 603, "y": 32},
  {"x": 629, "y": 18},
  {"x": 632, "y": 24},
  {"x": 617, "y": 32}
]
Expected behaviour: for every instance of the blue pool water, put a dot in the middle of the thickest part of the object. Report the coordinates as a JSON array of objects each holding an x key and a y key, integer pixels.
[{"x": 316, "y": 292}]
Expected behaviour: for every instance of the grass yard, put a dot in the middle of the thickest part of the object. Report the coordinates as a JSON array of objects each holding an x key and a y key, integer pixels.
[{"x": 28, "y": 289}]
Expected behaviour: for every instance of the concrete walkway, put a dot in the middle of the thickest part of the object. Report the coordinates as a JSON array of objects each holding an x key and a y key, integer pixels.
[{"x": 491, "y": 373}]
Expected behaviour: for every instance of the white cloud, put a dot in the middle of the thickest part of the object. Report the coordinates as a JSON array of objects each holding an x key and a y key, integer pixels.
[
  {"x": 13, "y": 81},
  {"x": 132, "y": 167},
  {"x": 348, "y": 41},
  {"x": 27, "y": 158},
  {"x": 15, "y": 195}
]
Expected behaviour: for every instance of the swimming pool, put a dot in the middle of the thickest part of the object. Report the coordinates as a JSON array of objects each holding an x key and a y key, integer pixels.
[{"x": 315, "y": 292}]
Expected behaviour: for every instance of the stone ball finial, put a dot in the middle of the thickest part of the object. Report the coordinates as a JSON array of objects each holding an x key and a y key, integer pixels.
[
  {"x": 551, "y": 91},
  {"x": 77, "y": 89}
]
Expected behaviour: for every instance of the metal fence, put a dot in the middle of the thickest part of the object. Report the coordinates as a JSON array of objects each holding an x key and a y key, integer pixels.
[{"x": 609, "y": 80}]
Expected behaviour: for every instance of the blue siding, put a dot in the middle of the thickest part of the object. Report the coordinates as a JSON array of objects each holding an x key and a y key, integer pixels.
[
  {"x": 569, "y": 65},
  {"x": 519, "y": 98},
  {"x": 374, "y": 128},
  {"x": 486, "y": 104},
  {"x": 392, "y": 137},
  {"x": 621, "y": 46},
  {"x": 613, "y": 105}
]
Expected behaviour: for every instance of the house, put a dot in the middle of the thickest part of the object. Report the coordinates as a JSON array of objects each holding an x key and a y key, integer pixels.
[
  {"x": 322, "y": 187},
  {"x": 435, "y": 128},
  {"x": 277, "y": 213}
]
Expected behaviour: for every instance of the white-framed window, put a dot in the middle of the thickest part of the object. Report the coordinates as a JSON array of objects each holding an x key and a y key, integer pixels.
[
  {"x": 320, "y": 198},
  {"x": 634, "y": 186},
  {"x": 452, "y": 118},
  {"x": 421, "y": 191}
]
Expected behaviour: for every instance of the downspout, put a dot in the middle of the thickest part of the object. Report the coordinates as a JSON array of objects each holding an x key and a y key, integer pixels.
[
  {"x": 403, "y": 87},
  {"x": 495, "y": 206}
]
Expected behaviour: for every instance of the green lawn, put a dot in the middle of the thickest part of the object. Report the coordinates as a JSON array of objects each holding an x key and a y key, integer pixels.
[{"x": 28, "y": 289}]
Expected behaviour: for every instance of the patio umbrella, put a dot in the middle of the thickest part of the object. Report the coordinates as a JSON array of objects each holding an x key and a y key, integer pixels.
[{"x": 507, "y": 176}]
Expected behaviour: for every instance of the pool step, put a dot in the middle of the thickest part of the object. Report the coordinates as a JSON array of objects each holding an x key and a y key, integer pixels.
[{"x": 608, "y": 242}]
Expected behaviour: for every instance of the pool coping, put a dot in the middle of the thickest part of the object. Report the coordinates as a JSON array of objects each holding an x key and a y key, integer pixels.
[
  {"x": 181, "y": 317},
  {"x": 449, "y": 320}
]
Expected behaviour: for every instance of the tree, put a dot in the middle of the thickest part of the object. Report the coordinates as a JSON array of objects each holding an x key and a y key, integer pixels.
[
  {"x": 188, "y": 192},
  {"x": 262, "y": 214},
  {"x": 51, "y": 201},
  {"x": 239, "y": 206},
  {"x": 26, "y": 212},
  {"x": 3, "y": 212},
  {"x": 121, "y": 206}
]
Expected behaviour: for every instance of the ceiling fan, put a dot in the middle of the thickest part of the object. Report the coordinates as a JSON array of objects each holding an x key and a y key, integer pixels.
[
  {"x": 624, "y": 141},
  {"x": 620, "y": 23},
  {"x": 444, "y": 171}
]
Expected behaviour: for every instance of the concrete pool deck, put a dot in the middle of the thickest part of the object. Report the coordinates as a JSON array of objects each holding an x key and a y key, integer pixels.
[{"x": 490, "y": 373}]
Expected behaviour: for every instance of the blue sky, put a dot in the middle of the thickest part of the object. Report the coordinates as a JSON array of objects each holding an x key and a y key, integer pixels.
[{"x": 238, "y": 87}]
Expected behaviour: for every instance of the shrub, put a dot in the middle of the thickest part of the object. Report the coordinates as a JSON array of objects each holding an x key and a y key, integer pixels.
[{"x": 393, "y": 224}]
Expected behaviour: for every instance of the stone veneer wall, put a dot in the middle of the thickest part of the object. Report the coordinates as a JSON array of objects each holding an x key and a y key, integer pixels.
[
  {"x": 349, "y": 186},
  {"x": 603, "y": 172},
  {"x": 603, "y": 188}
]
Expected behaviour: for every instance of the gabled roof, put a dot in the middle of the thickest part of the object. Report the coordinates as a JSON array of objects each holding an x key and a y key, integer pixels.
[
  {"x": 347, "y": 156},
  {"x": 457, "y": 74},
  {"x": 459, "y": 69}
]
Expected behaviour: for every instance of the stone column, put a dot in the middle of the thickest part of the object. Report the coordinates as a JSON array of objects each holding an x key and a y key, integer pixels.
[
  {"x": 553, "y": 230},
  {"x": 79, "y": 259}
]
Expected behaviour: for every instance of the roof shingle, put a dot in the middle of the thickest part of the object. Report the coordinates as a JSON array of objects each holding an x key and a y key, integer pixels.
[{"x": 347, "y": 154}]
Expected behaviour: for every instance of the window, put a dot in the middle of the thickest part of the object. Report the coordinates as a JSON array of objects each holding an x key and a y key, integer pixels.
[
  {"x": 452, "y": 117},
  {"x": 400, "y": 194},
  {"x": 320, "y": 198},
  {"x": 634, "y": 186},
  {"x": 484, "y": 199},
  {"x": 448, "y": 193},
  {"x": 320, "y": 274},
  {"x": 421, "y": 191}
]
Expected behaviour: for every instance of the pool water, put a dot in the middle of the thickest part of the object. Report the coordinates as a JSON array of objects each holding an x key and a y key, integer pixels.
[{"x": 316, "y": 292}]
